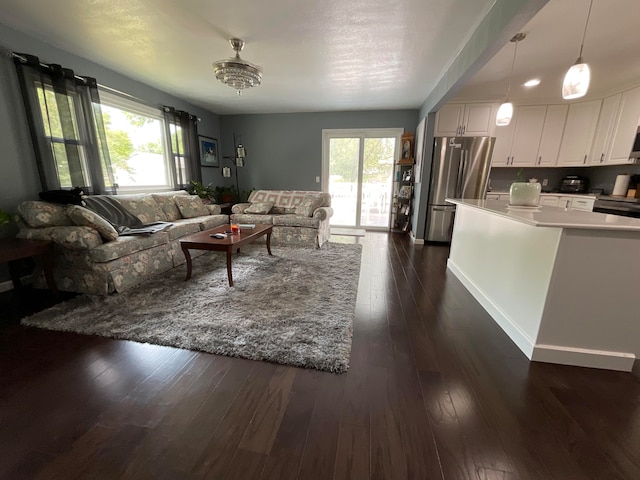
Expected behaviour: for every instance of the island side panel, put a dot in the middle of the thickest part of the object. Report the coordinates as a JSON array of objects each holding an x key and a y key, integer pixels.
[
  {"x": 592, "y": 316},
  {"x": 507, "y": 266}
]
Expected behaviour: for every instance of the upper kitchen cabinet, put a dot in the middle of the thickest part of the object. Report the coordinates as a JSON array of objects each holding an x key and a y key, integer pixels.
[
  {"x": 625, "y": 128},
  {"x": 604, "y": 131},
  {"x": 579, "y": 129},
  {"x": 517, "y": 143},
  {"x": 532, "y": 138},
  {"x": 466, "y": 120},
  {"x": 551, "y": 138}
]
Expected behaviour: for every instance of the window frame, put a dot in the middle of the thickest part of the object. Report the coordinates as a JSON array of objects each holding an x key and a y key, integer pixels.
[{"x": 113, "y": 100}]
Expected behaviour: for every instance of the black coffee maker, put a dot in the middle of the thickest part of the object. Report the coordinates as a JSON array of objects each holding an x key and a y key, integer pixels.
[{"x": 574, "y": 184}]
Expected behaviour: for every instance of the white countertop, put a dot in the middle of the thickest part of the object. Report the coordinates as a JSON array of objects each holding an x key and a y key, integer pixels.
[{"x": 544, "y": 216}]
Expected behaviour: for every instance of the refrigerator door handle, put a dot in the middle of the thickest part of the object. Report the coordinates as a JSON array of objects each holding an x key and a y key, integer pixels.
[{"x": 461, "y": 171}]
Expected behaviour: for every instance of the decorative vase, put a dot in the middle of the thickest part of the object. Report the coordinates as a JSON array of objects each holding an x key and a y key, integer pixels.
[{"x": 526, "y": 194}]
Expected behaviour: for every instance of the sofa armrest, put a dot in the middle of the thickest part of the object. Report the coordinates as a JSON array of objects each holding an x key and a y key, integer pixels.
[
  {"x": 73, "y": 238},
  {"x": 240, "y": 207},
  {"x": 214, "y": 209},
  {"x": 323, "y": 213}
]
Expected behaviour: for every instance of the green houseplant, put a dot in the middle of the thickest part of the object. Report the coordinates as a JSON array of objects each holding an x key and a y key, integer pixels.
[
  {"x": 197, "y": 188},
  {"x": 5, "y": 217}
]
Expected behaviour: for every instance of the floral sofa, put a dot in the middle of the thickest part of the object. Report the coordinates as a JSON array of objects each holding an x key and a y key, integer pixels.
[
  {"x": 298, "y": 217},
  {"x": 90, "y": 256}
]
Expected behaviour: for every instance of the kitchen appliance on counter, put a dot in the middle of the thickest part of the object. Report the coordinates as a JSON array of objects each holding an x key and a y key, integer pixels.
[
  {"x": 460, "y": 169},
  {"x": 626, "y": 207},
  {"x": 574, "y": 184}
]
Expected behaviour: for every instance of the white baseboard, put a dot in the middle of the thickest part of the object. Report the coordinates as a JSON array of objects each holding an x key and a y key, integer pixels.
[
  {"x": 581, "y": 357},
  {"x": 514, "y": 332},
  {"x": 414, "y": 240},
  {"x": 577, "y": 357}
]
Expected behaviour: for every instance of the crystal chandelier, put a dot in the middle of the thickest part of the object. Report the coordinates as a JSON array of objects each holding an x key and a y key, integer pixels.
[{"x": 236, "y": 72}]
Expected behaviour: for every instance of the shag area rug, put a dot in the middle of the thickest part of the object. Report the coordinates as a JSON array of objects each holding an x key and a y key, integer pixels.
[{"x": 294, "y": 308}]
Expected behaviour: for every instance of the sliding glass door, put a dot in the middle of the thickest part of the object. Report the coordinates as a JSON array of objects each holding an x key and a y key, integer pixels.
[{"x": 357, "y": 171}]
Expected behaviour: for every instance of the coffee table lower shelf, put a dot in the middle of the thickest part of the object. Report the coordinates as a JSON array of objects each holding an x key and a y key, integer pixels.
[{"x": 204, "y": 241}]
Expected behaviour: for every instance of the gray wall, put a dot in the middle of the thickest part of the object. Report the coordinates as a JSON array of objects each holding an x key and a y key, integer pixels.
[
  {"x": 284, "y": 151},
  {"x": 19, "y": 178}
]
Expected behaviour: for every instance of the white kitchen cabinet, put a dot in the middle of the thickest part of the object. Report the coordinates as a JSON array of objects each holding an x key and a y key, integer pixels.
[
  {"x": 549, "y": 200},
  {"x": 579, "y": 129},
  {"x": 527, "y": 134},
  {"x": 466, "y": 120},
  {"x": 582, "y": 203},
  {"x": 501, "y": 156},
  {"x": 600, "y": 150},
  {"x": 625, "y": 128},
  {"x": 551, "y": 138}
]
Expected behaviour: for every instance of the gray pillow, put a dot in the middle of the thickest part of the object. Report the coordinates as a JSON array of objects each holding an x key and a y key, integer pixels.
[
  {"x": 308, "y": 205},
  {"x": 260, "y": 208}
]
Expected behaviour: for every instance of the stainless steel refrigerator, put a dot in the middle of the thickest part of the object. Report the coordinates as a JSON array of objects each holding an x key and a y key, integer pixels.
[{"x": 460, "y": 169}]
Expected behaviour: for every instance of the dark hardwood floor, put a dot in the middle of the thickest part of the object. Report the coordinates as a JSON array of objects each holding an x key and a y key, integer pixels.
[{"x": 435, "y": 391}]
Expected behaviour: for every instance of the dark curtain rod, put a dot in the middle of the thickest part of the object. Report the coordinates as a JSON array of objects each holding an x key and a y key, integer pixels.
[{"x": 82, "y": 79}]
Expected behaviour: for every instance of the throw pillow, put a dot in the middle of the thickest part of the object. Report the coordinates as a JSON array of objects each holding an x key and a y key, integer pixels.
[
  {"x": 190, "y": 206},
  {"x": 308, "y": 205},
  {"x": 86, "y": 218},
  {"x": 259, "y": 208}
]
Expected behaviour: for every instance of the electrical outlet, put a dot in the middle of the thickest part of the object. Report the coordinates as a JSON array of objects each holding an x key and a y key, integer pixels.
[
  {"x": 317, "y": 179},
  {"x": 545, "y": 182}
]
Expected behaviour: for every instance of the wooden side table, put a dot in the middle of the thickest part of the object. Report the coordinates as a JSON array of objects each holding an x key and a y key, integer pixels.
[{"x": 12, "y": 249}]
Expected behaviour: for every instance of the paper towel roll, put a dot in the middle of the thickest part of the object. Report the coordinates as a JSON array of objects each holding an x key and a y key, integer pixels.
[{"x": 621, "y": 185}]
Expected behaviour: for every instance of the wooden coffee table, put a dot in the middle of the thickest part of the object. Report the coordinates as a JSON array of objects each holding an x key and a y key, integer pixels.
[
  {"x": 204, "y": 241},
  {"x": 12, "y": 249}
]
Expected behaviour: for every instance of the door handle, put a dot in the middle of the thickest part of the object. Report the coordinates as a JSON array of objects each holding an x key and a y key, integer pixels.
[
  {"x": 539, "y": 160},
  {"x": 585, "y": 159},
  {"x": 460, "y": 174},
  {"x": 602, "y": 158},
  {"x": 464, "y": 129}
]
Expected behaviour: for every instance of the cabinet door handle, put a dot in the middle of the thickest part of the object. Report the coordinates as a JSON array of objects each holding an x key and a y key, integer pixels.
[
  {"x": 585, "y": 159},
  {"x": 539, "y": 160},
  {"x": 464, "y": 129},
  {"x": 602, "y": 158}
]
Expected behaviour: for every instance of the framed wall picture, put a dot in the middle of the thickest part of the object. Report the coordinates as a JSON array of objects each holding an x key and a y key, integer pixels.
[{"x": 208, "y": 152}]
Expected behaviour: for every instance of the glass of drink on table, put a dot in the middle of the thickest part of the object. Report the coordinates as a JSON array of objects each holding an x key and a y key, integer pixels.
[{"x": 235, "y": 228}]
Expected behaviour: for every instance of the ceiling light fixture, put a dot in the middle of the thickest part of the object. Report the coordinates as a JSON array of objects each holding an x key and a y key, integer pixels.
[
  {"x": 236, "y": 72},
  {"x": 576, "y": 81},
  {"x": 505, "y": 112},
  {"x": 534, "y": 82}
]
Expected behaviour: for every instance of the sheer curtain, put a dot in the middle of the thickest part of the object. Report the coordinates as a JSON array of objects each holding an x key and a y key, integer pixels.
[
  {"x": 65, "y": 120},
  {"x": 184, "y": 149}
]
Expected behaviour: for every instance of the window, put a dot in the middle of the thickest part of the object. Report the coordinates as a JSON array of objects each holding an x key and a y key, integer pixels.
[{"x": 137, "y": 145}]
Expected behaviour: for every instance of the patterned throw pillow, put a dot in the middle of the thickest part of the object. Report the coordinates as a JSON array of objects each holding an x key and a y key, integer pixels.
[
  {"x": 39, "y": 214},
  {"x": 86, "y": 218},
  {"x": 259, "y": 208},
  {"x": 308, "y": 205},
  {"x": 190, "y": 206}
]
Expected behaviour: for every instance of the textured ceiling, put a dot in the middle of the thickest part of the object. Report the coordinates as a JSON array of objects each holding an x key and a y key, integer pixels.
[
  {"x": 611, "y": 48},
  {"x": 317, "y": 55}
]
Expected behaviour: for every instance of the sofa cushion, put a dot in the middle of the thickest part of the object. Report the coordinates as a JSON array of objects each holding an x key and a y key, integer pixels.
[
  {"x": 248, "y": 218},
  {"x": 123, "y": 246},
  {"x": 308, "y": 205},
  {"x": 287, "y": 199},
  {"x": 86, "y": 218},
  {"x": 259, "y": 207},
  {"x": 296, "y": 221},
  {"x": 71, "y": 237},
  {"x": 190, "y": 206},
  {"x": 168, "y": 204},
  {"x": 212, "y": 221},
  {"x": 39, "y": 214},
  {"x": 182, "y": 227},
  {"x": 143, "y": 206}
]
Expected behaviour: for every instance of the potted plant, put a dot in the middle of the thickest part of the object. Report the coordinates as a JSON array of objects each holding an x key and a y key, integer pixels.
[
  {"x": 225, "y": 194},
  {"x": 205, "y": 193},
  {"x": 523, "y": 193},
  {"x": 5, "y": 217}
]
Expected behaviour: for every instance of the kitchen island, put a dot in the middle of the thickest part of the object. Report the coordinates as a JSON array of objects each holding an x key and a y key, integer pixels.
[{"x": 564, "y": 285}]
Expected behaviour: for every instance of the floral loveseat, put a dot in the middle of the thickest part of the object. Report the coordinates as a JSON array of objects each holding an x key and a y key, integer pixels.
[
  {"x": 90, "y": 256},
  {"x": 298, "y": 217}
]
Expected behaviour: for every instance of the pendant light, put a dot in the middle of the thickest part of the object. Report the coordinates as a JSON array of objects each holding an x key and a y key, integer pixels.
[
  {"x": 505, "y": 112},
  {"x": 576, "y": 81}
]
